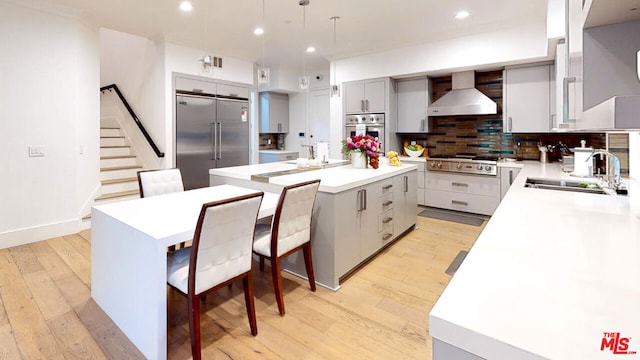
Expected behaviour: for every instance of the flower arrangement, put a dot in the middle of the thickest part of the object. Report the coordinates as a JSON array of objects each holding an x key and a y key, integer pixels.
[{"x": 366, "y": 144}]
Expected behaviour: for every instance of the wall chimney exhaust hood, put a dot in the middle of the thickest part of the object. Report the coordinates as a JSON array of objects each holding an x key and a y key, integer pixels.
[{"x": 463, "y": 99}]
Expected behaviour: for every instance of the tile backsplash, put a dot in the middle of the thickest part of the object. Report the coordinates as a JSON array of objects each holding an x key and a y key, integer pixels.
[{"x": 482, "y": 134}]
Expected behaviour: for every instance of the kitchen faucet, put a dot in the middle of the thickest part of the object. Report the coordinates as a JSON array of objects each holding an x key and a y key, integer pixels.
[
  {"x": 311, "y": 157},
  {"x": 613, "y": 168}
]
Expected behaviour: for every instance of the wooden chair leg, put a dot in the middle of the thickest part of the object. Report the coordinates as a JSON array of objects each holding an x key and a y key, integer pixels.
[
  {"x": 194, "y": 326},
  {"x": 172, "y": 248},
  {"x": 261, "y": 263},
  {"x": 308, "y": 264},
  {"x": 247, "y": 283},
  {"x": 277, "y": 284}
]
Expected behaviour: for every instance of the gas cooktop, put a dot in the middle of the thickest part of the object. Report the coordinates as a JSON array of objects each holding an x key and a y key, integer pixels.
[{"x": 475, "y": 165}]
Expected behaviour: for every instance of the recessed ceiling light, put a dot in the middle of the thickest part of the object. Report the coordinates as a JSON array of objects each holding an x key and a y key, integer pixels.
[
  {"x": 186, "y": 6},
  {"x": 258, "y": 31},
  {"x": 462, "y": 14},
  {"x": 311, "y": 49}
]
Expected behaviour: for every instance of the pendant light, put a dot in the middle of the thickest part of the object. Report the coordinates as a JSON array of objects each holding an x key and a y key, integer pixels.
[
  {"x": 335, "y": 87},
  {"x": 303, "y": 81},
  {"x": 264, "y": 76}
]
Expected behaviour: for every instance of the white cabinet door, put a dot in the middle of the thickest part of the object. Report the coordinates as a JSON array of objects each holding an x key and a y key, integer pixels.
[
  {"x": 412, "y": 105},
  {"x": 405, "y": 203},
  {"x": 354, "y": 98},
  {"x": 365, "y": 97},
  {"x": 526, "y": 100},
  {"x": 274, "y": 113},
  {"x": 375, "y": 96},
  {"x": 507, "y": 175}
]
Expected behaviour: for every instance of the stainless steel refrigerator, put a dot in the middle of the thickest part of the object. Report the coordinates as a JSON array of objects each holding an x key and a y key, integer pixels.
[{"x": 210, "y": 133}]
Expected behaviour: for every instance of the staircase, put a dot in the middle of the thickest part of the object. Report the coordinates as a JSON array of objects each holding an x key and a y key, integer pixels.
[{"x": 118, "y": 166}]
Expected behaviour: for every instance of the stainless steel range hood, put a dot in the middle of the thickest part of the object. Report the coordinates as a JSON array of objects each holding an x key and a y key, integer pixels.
[{"x": 463, "y": 99}]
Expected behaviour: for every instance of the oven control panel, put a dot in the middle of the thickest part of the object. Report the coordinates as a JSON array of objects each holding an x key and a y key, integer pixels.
[{"x": 463, "y": 166}]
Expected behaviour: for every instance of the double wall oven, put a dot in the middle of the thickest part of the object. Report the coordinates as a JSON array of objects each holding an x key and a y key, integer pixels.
[{"x": 369, "y": 124}]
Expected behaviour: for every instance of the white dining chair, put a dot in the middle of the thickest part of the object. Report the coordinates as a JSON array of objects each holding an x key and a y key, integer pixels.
[
  {"x": 220, "y": 255},
  {"x": 160, "y": 182},
  {"x": 289, "y": 232}
]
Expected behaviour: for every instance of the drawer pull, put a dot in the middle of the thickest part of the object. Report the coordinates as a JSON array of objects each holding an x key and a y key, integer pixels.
[
  {"x": 387, "y": 187},
  {"x": 459, "y": 184},
  {"x": 387, "y": 220},
  {"x": 387, "y": 203},
  {"x": 457, "y": 202},
  {"x": 387, "y": 236}
]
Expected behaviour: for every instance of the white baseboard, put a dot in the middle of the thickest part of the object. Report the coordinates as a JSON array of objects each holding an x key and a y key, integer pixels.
[{"x": 41, "y": 232}]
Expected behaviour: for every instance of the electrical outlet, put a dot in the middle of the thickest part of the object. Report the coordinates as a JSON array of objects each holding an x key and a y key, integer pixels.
[{"x": 36, "y": 151}]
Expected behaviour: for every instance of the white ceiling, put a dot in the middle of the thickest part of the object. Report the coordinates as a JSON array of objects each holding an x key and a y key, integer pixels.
[{"x": 225, "y": 27}]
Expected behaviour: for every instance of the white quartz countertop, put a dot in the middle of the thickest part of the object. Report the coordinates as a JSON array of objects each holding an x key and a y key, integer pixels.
[
  {"x": 332, "y": 180},
  {"x": 551, "y": 273}
]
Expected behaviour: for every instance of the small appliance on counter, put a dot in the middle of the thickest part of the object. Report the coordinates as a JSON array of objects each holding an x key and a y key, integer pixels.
[{"x": 582, "y": 164}]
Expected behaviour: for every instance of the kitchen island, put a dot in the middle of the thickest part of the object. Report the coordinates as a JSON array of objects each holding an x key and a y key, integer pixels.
[
  {"x": 357, "y": 212},
  {"x": 553, "y": 274}
]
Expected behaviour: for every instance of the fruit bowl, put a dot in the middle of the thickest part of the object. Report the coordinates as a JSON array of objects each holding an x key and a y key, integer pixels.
[{"x": 414, "y": 153}]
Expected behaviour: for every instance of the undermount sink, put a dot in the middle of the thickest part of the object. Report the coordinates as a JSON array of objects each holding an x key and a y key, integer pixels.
[{"x": 565, "y": 185}]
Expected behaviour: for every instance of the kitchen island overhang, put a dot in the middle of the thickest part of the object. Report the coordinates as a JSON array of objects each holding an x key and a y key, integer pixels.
[{"x": 357, "y": 213}]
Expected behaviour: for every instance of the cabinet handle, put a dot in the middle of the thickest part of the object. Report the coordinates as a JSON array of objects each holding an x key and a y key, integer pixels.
[
  {"x": 387, "y": 236},
  {"x": 456, "y": 202},
  {"x": 510, "y": 124},
  {"x": 359, "y": 201},
  {"x": 387, "y": 203},
  {"x": 364, "y": 197},
  {"x": 406, "y": 183},
  {"x": 289, "y": 157},
  {"x": 219, "y": 141},
  {"x": 459, "y": 184},
  {"x": 387, "y": 220},
  {"x": 422, "y": 125},
  {"x": 387, "y": 187},
  {"x": 551, "y": 118},
  {"x": 362, "y": 105},
  {"x": 510, "y": 177},
  {"x": 367, "y": 105}
]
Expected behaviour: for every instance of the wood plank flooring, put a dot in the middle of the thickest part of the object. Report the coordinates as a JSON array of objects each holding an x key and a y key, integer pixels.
[{"x": 381, "y": 312}]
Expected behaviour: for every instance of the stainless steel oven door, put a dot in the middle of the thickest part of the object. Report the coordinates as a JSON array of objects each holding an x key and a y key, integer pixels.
[{"x": 375, "y": 131}]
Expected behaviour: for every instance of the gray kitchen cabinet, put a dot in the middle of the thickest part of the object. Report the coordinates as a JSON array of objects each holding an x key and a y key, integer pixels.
[
  {"x": 356, "y": 216},
  {"x": 369, "y": 96},
  {"x": 412, "y": 98},
  {"x": 526, "y": 99},
  {"x": 507, "y": 175},
  {"x": 461, "y": 192},
  {"x": 404, "y": 198},
  {"x": 267, "y": 156},
  {"x": 274, "y": 113}
]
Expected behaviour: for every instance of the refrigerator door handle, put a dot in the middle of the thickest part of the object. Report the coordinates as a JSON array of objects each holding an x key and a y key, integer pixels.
[
  {"x": 219, "y": 141},
  {"x": 213, "y": 140}
]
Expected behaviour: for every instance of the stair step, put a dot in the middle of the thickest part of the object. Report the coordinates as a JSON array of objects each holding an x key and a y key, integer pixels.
[
  {"x": 117, "y": 157},
  {"x": 118, "y": 195},
  {"x": 118, "y": 161},
  {"x": 115, "y": 151},
  {"x": 113, "y": 141},
  {"x": 120, "y": 168},
  {"x": 110, "y": 131},
  {"x": 116, "y": 181}
]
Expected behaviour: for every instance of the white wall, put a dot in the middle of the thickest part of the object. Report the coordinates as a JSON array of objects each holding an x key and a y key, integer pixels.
[{"x": 49, "y": 80}]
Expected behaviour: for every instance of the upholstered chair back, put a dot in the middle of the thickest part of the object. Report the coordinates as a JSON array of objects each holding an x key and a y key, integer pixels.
[
  {"x": 222, "y": 248},
  {"x": 294, "y": 220},
  {"x": 159, "y": 182}
]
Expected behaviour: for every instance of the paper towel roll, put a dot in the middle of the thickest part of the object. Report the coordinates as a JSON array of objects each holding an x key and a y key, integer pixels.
[{"x": 323, "y": 152}]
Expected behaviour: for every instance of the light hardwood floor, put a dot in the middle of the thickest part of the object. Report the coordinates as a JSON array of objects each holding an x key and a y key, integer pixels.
[{"x": 381, "y": 312}]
